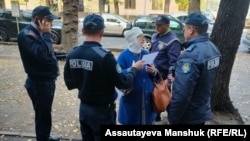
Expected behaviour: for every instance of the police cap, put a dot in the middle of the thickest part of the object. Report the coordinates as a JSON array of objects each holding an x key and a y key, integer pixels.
[
  {"x": 44, "y": 11},
  {"x": 162, "y": 19},
  {"x": 93, "y": 22},
  {"x": 197, "y": 19}
]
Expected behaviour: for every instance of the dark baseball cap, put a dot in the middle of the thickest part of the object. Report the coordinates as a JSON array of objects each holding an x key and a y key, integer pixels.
[
  {"x": 162, "y": 19},
  {"x": 44, "y": 11},
  {"x": 197, "y": 19},
  {"x": 93, "y": 22}
]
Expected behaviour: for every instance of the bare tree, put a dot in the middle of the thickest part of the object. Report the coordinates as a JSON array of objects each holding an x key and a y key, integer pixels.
[
  {"x": 226, "y": 35},
  {"x": 194, "y": 6},
  {"x": 102, "y": 5},
  {"x": 49, "y": 3},
  {"x": 116, "y": 6},
  {"x": 70, "y": 24},
  {"x": 81, "y": 6},
  {"x": 182, "y": 4},
  {"x": 166, "y": 6},
  {"x": 2, "y": 4}
]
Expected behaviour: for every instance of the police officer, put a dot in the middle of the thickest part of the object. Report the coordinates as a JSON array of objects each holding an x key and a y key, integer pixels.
[
  {"x": 94, "y": 72},
  {"x": 195, "y": 74},
  {"x": 169, "y": 47},
  {"x": 40, "y": 64}
]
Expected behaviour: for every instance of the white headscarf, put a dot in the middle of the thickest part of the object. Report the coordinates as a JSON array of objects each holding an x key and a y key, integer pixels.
[{"x": 131, "y": 37}]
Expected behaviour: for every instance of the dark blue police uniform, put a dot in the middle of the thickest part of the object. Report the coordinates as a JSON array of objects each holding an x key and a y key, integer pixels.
[
  {"x": 42, "y": 70},
  {"x": 194, "y": 77},
  {"x": 95, "y": 73}
]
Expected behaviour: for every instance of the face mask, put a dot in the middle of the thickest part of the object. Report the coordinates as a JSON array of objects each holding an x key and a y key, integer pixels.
[{"x": 134, "y": 46}]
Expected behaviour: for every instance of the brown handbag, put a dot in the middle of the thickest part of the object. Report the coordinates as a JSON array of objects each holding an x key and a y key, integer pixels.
[{"x": 161, "y": 95}]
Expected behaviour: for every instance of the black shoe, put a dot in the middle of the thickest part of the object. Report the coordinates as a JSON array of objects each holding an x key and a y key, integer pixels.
[
  {"x": 54, "y": 138},
  {"x": 158, "y": 118}
]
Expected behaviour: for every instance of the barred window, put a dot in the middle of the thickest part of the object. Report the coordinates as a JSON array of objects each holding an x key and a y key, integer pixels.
[
  {"x": 130, "y": 4},
  {"x": 157, "y": 4}
]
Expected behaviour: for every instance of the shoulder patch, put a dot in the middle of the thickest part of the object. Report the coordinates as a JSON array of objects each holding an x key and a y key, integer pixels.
[
  {"x": 160, "y": 45},
  {"x": 186, "y": 67},
  {"x": 30, "y": 33},
  {"x": 118, "y": 68},
  {"x": 213, "y": 63}
]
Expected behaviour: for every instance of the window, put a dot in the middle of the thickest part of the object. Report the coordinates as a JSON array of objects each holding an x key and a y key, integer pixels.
[
  {"x": 26, "y": 17},
  {"x": 151, "y": 25},
  {"x": 157, "y": 4},
  {"x": 174, "y": 25},
  {"x": 130, "y": 4},
  {"x": 1, "y": 15},
  {"x": 8, "y": 16},
  {"x": 140, "y": 24},
  {"x": 112, "y": 20}
]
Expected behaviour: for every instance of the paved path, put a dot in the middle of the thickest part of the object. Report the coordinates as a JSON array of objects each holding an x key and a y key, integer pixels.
[{"x": 17, "y": 116}]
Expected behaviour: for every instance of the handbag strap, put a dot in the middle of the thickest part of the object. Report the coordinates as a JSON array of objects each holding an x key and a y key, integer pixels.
[
  {"x": 155, "y": 81},
  {"x": 160, "y": 76}
]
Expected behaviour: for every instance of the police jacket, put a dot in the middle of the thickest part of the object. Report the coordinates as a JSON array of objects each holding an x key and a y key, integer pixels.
[
  {"x": 95, "y": 73},
  {"x": 195, "y": 74},
  {"x": 169, "y": 48},
  {"x": 37, "y": 54}
]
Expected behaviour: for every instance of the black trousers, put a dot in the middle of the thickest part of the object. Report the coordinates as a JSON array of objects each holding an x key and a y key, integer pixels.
[
  {"x": 41, "y": 94},
  {"x": 92, "y": 117}
]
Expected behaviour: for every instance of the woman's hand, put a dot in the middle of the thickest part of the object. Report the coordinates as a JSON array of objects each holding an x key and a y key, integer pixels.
[{"x": 150, "y": 68}]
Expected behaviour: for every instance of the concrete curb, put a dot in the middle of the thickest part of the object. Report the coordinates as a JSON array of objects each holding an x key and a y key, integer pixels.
[
  {"x": 28, "y": 135},
  {"x": 8, "y": 43},
  {"x": 115, "y": 49}
]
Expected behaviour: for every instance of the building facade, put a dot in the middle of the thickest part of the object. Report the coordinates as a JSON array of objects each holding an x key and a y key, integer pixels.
[{"x": 126, "y": 7}]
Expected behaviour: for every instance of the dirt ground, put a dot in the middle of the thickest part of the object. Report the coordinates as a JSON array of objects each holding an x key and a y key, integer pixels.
[{"x": 17, "y": 116}]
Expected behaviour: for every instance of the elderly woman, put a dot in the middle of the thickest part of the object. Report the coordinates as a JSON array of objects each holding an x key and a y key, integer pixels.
[{"x": 136, "y": 104}]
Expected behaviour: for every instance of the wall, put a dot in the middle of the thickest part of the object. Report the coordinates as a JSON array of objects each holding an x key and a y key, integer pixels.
[
  {"x": 145, "y": 7},
  {"x": 30, "y": 5},
  {"x": 91, "y": 6}
]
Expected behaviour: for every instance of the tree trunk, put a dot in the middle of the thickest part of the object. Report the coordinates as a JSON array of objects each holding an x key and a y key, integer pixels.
[
  {"x": 116, "y": 5},
  {"x": 81, "y": 6},
  {"x": 194, "y": 6},
  {"x": 70, "y": 24},
  {"x": 166, "y": 6},
  {"x": 226, "y": 35},
  {"x": 50, "y": 2},
  {"x": 101, "y": 6},
  {"x": 2, "y": 4}
]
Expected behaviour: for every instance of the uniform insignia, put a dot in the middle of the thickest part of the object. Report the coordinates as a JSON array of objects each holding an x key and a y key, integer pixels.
[
  {"x": 213, "y": 63},
  {"x": 160, "y": 46},
  {"x": 118, "y": 68},
  {"x": 186, "y": 67},
  {"x": 30, "y": 33},
  {"x": 81, "y": 63}
]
